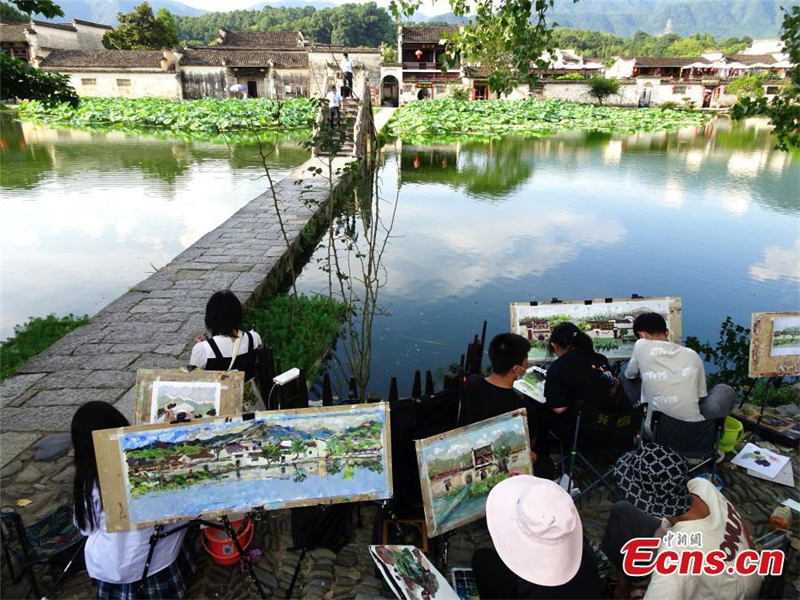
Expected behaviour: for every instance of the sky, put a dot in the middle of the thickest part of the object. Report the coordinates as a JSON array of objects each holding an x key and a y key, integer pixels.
[{"x": 429, "y": 7}]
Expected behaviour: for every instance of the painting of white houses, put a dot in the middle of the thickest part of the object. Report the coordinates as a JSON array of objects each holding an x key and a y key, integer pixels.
[
  {"x": 162, "y": 473},
  {"x": 459, "y": 468},
  {"x": 609, "y": 322}
]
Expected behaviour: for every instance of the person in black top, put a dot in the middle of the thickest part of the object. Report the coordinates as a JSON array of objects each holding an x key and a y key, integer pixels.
[
  {"x": 486, "y": 397},
  {"x": 579, "y": 374},
  {"x": 539, "y": 549}
]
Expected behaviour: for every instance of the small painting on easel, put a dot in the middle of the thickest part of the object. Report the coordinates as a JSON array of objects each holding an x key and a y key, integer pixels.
[
  {"x": 169, "y": 395},
  {"x": 775, "y": 344}
]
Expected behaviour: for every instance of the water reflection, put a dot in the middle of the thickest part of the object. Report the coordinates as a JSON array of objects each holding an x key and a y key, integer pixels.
[
  {"x": 88, "y": 215},
  {"x": 580, "y": 215},
  {"x": 719, "y": 152}
]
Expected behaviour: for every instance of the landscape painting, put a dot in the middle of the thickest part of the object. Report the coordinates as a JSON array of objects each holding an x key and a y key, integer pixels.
[
  {"x": 169, "y": 395},
  {"x": 458, "y": 469},
  {"x": 775, "y": 344},
  {"x": 179, "y": 400},
  {"x": 277, "y": 459},
  {"x": 785, "y": 336},
  {"x": 609, "y": 322},
  {"x": 410, "y": 574}
]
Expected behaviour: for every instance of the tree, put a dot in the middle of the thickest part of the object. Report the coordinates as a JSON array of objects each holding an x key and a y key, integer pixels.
[
  {"x": 389, "y": 54},
  {"x": 140, "y": 30},
  {"x": 271, "y": 452},
  {"x": 11, "y": 15},
  {"x": 601, "y": 88},
  {"x": 501, "y": 454},
  {"x": 297, "y": 447},
  {"x": 784, "y": 109},
  {"x": 167, "y": 20},
  {"x": 746, "y": 86},
  {"x": 48, "y": 8},
  {"x": 519, "y": 26},
  {"x": 20, "y": 80}
]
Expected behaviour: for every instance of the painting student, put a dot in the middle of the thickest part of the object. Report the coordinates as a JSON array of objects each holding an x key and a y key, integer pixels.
[
  {"x": 228, "y": 348},
  {"x": 579, "y": 374},
  {"x": 486, "y": 397},
  {"x": 539, "y": 548},
  {"x": 115, "y": 560}
]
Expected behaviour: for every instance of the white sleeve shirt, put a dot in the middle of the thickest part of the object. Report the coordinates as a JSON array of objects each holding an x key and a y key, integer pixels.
[
  {"x": 119, "y": 557},
  {"x": 202, "y": 351}
]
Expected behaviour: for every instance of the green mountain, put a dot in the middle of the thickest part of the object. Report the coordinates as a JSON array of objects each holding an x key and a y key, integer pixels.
[{"x": 721, "y": 18}]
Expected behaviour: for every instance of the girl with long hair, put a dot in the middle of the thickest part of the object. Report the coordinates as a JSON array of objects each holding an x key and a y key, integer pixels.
[{"x": 116, "y": 559}]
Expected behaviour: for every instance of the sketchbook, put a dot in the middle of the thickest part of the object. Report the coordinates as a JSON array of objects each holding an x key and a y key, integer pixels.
[{"x": 761, "y": 461}]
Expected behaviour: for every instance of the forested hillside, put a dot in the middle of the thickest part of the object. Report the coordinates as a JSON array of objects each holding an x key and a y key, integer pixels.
[{"x": 346, "y": 25}]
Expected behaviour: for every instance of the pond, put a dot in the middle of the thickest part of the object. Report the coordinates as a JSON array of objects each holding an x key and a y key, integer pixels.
[
  {"x": 88, "y": 215},
  {"x": 711, "y": 215}
]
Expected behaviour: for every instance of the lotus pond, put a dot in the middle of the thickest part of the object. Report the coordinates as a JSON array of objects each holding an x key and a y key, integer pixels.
[{"x": 437, "y": 120}]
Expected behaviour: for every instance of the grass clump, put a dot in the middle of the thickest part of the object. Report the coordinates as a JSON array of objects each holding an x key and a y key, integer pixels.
[
  {"x": 301, "y": 331},
  {"x": 33, "y": 336}
]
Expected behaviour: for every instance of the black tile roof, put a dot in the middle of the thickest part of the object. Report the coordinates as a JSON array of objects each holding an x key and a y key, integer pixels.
[
  {"x": 428, "y": 34},
  {"x": 104, "y": 59},
  {"x": 214, "y": 56}
]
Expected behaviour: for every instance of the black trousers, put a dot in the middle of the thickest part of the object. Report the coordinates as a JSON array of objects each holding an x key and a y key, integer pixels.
[
  {"x": 348, "y": 82},
  {"x": 334, "y": 115},
  {"x": 625, "y": 523}
]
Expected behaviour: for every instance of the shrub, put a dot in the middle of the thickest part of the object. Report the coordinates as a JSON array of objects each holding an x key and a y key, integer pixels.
[
  {"x": 601, "y": 88},
  {"x": 32, "y": 337},
  {"x": 300, "y": 332},
  {"x": 669, "y": 105},
  {"x": 746, "y": 86},
  {"x": 460, "y": 92},
  {"x": 571, "y": 77}
]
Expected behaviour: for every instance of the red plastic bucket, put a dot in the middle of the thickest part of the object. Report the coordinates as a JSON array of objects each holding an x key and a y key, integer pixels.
[{"x": 221, "y": 548}]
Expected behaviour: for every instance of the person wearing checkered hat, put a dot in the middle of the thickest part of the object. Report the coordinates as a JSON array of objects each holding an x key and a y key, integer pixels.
[{"x": 687, "y": 514}]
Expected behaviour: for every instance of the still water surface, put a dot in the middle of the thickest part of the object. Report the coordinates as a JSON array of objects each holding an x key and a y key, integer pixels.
[
  {"x": 88, "y": 215},
  {"x": 711, "y": 215}
]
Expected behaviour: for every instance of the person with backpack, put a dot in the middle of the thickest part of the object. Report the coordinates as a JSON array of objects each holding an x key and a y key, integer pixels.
[{"x": 228, "y": 348}]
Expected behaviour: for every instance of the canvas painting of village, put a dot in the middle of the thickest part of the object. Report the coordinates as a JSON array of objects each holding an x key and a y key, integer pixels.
[
  {"x": 178, "y": 400},
  {"x": 410, "y": 574},
  {"x": 609, "y": 322},
  {"x": 169, "y": 395},
  {"x": 274, "y": 460},
  {"x": 775, "y": 344},
  {"x": 785, "y": 336},
  {"x": 458, "y": 469}
]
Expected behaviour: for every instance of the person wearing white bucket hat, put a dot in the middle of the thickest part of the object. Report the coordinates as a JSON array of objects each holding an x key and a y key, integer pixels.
[{"x": 538, "y": 538}]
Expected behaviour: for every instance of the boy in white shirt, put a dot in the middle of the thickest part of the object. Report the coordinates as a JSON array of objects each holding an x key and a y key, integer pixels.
[
  {"x": 673, "y": 380},
  {"x": 334, "y": 104},
  {"x": 346, "y": 65}
]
